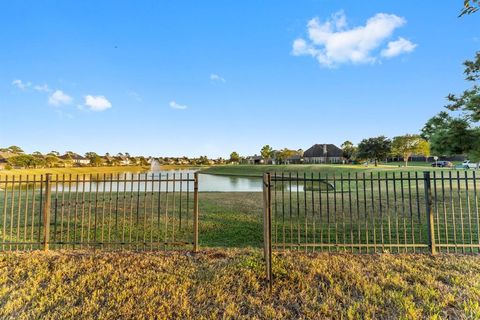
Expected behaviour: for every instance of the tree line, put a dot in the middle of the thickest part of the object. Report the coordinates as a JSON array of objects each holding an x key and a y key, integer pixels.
[{"x": 15, "y": 157}]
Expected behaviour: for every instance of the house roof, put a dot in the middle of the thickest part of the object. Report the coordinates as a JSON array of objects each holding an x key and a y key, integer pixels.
[
  {"x": 73, "y": 156},
  {"x": 6, "y": 155},
  {"x": 318, "y": 150}
]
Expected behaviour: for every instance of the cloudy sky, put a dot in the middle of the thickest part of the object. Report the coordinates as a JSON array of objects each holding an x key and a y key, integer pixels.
[{"x": 209, "y": 77}]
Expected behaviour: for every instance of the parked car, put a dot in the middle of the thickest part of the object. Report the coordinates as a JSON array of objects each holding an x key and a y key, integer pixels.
[
  {"x": 442, "y": 164},
  {"x": 467, "y": 164}
]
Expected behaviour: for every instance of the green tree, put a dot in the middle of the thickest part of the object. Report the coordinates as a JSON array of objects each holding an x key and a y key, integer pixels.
[
  {"x": 470, "y": 6},
  {"x": 133, "y": 161},
  {"x": 348, "y": 149},
  {"x": 450, "y": 135},
  {"x": 142, "y": 161},
  {"x": 469, "y": 100},
  {"x": 15, "y": 149},
  {"x": 424, "y": 149},
  {"x": 51, "y": 160},
  {"x": 374, "y": 148},
  {"x": 408, "y": 145},
  {"x": 266, "y": 152},
  {"x": 23, "y": 161},
  {"x": 234, "y": 157},
  {"x": 284, "y": 154},
  {"x": 95, "y": 160}
]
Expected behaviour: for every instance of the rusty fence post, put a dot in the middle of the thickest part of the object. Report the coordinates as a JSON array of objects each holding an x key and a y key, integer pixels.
[
  {"x": 267, "y": 227},
  {"x": 429, "y": 211},
  {"x": 46, "y": 211},
  {"x": 195, "y": 213}
]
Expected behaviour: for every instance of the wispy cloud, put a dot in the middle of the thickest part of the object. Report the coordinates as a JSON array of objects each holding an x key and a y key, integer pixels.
[
  {"x": 334, "y": 43},
  {"x": 42, "y": 88},
  {"x": 134, "y": 95},
  {"x": 97, "y": 103},
  {"x": 177, "y": 106},
  {"x": 58, "y": 98},
  {"x": 20, "y": 84},
  {"x": 216, "y": 77}
]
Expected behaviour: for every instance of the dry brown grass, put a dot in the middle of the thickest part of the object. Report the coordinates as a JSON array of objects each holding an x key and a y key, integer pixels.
[{"x": 230, "y": 284}]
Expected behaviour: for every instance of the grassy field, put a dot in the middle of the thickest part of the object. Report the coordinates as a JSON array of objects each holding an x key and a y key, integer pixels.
[
  {"x": 230, "y": 284},
  {"x": 74, "y": 171},
  {"x": 226, "y": 220},
  {"x": 234, "y": 220},
  {"x": 324, "y": 169}
]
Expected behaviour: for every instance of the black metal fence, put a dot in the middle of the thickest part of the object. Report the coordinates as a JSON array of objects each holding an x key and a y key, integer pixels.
[
  {"x": 375, "y": 213},
  {"x": 135, "y": 211},
  {"x": 372, "y": 213}
]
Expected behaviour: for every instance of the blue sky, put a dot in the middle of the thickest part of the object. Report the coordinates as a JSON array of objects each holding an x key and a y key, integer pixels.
[{"x": 171, "y": 78}]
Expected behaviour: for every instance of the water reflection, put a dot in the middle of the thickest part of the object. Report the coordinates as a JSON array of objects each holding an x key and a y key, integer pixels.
[{"x": 154, "y": 181}]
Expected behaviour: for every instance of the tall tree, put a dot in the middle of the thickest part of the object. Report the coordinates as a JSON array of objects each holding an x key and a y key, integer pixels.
[
  {"x": 470, "y": 6},
  {"x": 95, "y": 160},
  {"x": 348, "y": 149},
  {"x": 469, "y": 100},
  {"x": 374, "y": 148},
  {"x": 451, "y": 134},
  {"x": 51, "y": 160},
  {"x": 234, "y": 157},
  {"x": 15, "y": 149},
  {"x": 284, "y": 154},
  {"x": 266, "y": 152},
  {"x": 408, "y": 145}
]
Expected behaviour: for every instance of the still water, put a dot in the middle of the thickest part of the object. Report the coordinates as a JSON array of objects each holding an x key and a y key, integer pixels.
[{"x": 155, "y": 181}]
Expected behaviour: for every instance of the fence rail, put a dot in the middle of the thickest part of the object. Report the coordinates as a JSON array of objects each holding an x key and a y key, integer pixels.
[
  {"x": 136, "y": 211},
  {"x": 372, "y": 213},
  {"x": 405, "y": 212}
]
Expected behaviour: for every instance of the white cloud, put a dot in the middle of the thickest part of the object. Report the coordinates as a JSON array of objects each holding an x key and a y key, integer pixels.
[
  {"x": 58, "y": 98},
  {"x": 41, "y": 88},
  {"x": 20, "y": 84},
  {"x": 333, "y": 43},
  {"x": 175, "y": 105},
  {"x": 216, "y": 77},
  {"x": 97, "y": 103},
  {"x": 395, "y": 48}
]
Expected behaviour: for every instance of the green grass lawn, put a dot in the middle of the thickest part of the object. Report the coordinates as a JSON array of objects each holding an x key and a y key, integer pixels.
[
  {"x": 230, "y": 284},
  {"x": 74, "y": 171},
  {"x": 323, "y": 169},
  {"x": 234, "y": 220}
]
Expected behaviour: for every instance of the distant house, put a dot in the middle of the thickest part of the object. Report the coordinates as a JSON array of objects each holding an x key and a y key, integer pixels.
[
  {"x": 125, "y": 161},
  {"x": 296, "y": 159},
  {"x": 255, "y": 160},
  {"x": 76, "y": 159},
  {"x": 4, "y": 158},
  {"x": 323, "y": 153},
  {"x": 3, "y": 163}
]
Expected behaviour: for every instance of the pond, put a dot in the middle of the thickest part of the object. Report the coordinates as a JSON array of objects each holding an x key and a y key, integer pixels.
[{"x": 151, "y": 181}]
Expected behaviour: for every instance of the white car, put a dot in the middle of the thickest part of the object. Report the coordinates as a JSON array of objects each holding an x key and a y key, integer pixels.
[{"x": 467, "y": 164}]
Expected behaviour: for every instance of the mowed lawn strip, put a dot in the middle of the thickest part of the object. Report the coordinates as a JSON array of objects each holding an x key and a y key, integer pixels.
[
  {"x": 74, "y": 172},
  {"x": 323, "y": 169},
  {"x": 231, "y": 284}
]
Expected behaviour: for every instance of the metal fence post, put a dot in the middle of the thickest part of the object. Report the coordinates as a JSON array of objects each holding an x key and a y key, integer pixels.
[
  {"x": 429, "y": 210},
  {"x": 46, "y": 211},
  {"x": 195, "y": 213},
  {"x": 267, "y": 227}
]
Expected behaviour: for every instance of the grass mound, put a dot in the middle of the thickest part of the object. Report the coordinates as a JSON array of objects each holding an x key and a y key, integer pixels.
[{"x": 230, "y": 284}]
